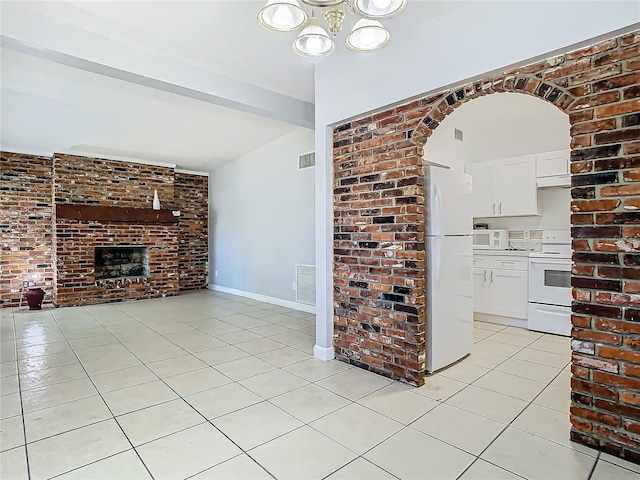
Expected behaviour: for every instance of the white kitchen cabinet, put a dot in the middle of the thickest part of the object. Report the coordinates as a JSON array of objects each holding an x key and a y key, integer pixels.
[
  {"x": 480, "y": 290},
  {"x": 483, "y": 190},
  {"x": 500, "y": 285},
  {"x": 552, "y": 169},
  {"x": 504, "y": 188}
]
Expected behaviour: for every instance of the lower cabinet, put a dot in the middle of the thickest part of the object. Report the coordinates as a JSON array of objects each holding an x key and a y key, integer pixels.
[{"x": 498, "y": 290}]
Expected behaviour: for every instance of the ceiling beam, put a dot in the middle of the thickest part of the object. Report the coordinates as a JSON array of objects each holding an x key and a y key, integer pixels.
[{"x": 40, "y": 36}]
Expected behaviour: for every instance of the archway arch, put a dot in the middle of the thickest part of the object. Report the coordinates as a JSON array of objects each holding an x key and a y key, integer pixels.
[{"x": 379, "y": 218}]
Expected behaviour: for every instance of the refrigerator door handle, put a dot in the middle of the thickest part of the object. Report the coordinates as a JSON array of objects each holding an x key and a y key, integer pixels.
[
  {"x": 437, "y": 260},
  {"x": 437, "y": 211}
]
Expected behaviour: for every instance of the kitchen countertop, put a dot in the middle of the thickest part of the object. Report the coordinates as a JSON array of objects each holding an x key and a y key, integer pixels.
[{"x": 512, "y": 253}]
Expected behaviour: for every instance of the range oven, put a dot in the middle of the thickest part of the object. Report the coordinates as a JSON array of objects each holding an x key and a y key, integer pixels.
[{"x": 550, "y": 284}]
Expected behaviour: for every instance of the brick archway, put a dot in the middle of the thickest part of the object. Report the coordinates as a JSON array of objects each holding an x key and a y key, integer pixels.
[{"x": 379, "y": 249}]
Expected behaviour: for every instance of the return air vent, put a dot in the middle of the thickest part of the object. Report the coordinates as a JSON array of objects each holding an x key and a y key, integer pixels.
[
  {"x": 306, "y": 284},
  {"x": 307, "y": 160}
]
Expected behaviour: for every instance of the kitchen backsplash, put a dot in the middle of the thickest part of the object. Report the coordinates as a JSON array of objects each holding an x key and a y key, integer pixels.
[{"x": 526, "y": 239}]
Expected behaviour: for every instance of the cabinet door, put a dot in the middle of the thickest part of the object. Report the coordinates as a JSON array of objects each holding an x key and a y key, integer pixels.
[
  {"x": 483, "y": 196},
  {"x": 508, "y": 293},
  {"x": 517, "y": 193},
  {"x": 553, "y": 163},
  {"x": 480, "y": 293}
]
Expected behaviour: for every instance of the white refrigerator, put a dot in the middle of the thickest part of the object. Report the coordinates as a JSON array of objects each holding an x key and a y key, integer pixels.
[{"x": 449, "y": 254}]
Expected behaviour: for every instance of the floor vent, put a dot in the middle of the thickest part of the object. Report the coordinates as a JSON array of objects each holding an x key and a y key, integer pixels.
[
  {"x": 307, "y": 160},
  {"x": 306, "y": 284}
]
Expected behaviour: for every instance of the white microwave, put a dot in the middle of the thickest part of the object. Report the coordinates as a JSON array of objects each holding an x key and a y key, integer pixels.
[{"x": 497, "y": 239}]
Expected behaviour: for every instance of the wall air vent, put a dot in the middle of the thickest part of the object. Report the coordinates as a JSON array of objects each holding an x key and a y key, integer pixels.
[
  {"x": 457, "y": 134},
  {"x": 306, "y": 284},
  {"x": 307, "y": 160}
]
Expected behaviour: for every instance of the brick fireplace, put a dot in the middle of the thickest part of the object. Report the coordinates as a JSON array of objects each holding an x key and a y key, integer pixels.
[{"x": 58, "y": 212}]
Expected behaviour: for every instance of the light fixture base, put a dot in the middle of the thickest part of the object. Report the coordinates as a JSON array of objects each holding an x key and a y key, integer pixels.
[{"x": 334, "y": 16}]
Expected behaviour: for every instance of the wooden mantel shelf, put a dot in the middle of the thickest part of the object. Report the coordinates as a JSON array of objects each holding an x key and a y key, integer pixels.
[{"x": 115, "y": 214}]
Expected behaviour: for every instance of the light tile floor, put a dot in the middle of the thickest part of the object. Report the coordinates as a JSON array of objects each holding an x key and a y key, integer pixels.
[{"x": 210, "y": 386}]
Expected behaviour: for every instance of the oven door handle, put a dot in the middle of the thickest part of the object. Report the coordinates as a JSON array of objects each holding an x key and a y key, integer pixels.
[
  {"x": 551, "y": 262},
  {"x": 550, "y": 311}
]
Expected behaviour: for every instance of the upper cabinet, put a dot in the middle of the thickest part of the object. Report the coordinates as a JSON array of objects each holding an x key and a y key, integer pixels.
[
  {"x": 552, "y": 169},
  {"x": 504, "y": 188}
]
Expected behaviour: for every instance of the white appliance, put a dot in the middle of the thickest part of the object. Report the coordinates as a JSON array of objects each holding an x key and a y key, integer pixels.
[
  {"x": 449, "y": 286},
  {"x": 491, "y": 239},
  {"x": 550, "y": 284}
]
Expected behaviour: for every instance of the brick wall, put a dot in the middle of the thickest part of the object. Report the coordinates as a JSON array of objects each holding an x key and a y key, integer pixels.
[
  {"x": 192, "y": 199},
  {"x": 94, "y": 181},
  {"x": 25, "y": 224},
  {"x": 33, "y": 238},
  {"x": 379, "y": 251}
]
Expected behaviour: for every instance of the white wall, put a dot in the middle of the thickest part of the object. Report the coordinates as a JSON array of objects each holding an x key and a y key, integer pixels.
[
  {"x": 507, "y": 125},
  {"x": 261, "y": 218},
  {"x": 465, "y": 43}
]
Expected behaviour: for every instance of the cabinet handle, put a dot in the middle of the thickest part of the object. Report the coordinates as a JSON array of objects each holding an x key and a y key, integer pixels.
[
  {"x": 506, "y": 263},
  {"x": 500, "y": 208},
  {"x": 494, "y": 208},
  {"x": 491, "y": 276},
  {"x": 485, "y": 276}
]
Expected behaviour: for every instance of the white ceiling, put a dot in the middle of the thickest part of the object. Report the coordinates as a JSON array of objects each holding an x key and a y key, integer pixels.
[{"x": 74, "y": 91}]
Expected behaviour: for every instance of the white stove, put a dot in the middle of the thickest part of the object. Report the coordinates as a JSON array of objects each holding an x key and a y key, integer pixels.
[{"x": 550, "y": 284}]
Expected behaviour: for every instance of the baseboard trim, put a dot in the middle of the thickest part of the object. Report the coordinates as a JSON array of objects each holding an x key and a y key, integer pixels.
[
  {"x": 500, "y": 320},
  {"x": 264, "y": 298},
  {"x": 323, "y": 353}
]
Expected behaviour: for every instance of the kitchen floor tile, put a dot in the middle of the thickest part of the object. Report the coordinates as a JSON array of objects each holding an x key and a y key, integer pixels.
[
  {"x": 361, "y": 469},
  {"x": 273, "y": 383},
  {"x": 485, "y": 359},
  {"x": 464, "y": 372},
  {"x": 399, "y": 403},
  {"x": 549, "y": 424},
  {"x": 222, "y": 400},
  {"x": 50, "y": 457},
  {"x": 62, "y": 418},
  {"x": 244, "y": 368},
  {"x": 261, "y": 345},
  {"x": 9, "y": 384},
  {"x": 51, "y": 376},
  {"x": 13, "y": 464},
  {"x": 549, "y": 359},
  {"x": 176, "y": 366},
  {"x": 620, "y": 462},
  {"x": 462, "y": 429},
  {"x": 241, "y": 467},
  {"x": 148, "y": 424},
  {"x": 482, "y": 470},
  {"x": 517, "y": 340},
  {"x": 302, "y": 454},
  {"x": 309, "y": 403},
  {"x": 493, "y": 327},
  {"x": 532, "y": 371},
  {"x": 536, "y": 458},
  {"x": 314, "y": 369},
  {"x": 512, "y": 385},
  {"x": 221, "y": 355},
  {"x": 11, "y": 433},
  {"x": 497, "y": 348},
  {"x": 197, "y": 448},
  {"x": 609, "y": 471},
  {"x": 412, "y": 454},
  {"x": 196, "y": 381},
  {"x": 353, "y": 384},
  {"x": 52, "y": 395},
  {"x": 439, "y": 387},
  {"x": 127, "y": 377},
  {"x": 283, "y": 356},
  {"x": 134, "y": 398},
  {"x": 122, "y": 466},
  {"x": 357, "y": 428},
  {"x": 495, "y": 406},
  {"x": 255, "y": 425},
  {"x": 555, "y": 397}
]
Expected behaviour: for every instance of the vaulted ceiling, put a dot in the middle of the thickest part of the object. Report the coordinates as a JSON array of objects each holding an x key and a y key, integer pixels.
[{"x": 195, "y": 83}]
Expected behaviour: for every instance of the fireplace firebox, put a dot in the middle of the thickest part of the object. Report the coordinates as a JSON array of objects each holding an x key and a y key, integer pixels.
[{"x": 121, "y": 262}]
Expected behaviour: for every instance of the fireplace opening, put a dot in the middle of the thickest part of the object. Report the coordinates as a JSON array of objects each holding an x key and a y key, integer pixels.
[{"x": 121, "y": 262}]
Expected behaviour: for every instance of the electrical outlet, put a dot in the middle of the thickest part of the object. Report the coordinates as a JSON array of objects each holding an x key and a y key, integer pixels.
[
  {"x": 25, "y": 284},
  {"x": 215, "y": 274},
  {"x": 293, "y": 285}
]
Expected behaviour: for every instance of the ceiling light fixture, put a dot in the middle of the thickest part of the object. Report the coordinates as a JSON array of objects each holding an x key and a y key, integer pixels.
[{"x": 367, "y": 35}]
